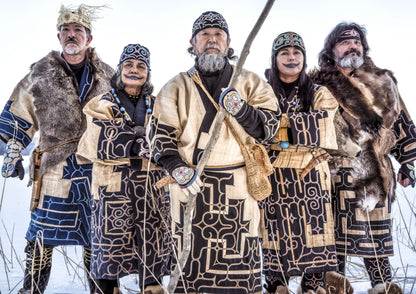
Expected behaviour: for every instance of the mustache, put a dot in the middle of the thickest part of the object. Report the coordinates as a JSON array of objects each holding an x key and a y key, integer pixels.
[
  {"x": 211, "y": 46},
  {"x": 352, "y": 51},
  {"x": 291, "y": 65},
  {"x": 71, "y": 39}
]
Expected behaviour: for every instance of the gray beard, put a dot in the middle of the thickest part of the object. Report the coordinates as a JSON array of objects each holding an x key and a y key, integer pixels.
[
  {"x": 211, "y": 62},
  {"x": 350, "y": 62}
]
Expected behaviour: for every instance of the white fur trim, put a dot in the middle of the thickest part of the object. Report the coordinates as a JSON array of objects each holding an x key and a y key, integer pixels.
[
  {"x": 378, "y": 289},
  {"x": 369, "y": 203}
]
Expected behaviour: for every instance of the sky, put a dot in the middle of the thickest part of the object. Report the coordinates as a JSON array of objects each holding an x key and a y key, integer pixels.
[{"x": 28, "y": 32}]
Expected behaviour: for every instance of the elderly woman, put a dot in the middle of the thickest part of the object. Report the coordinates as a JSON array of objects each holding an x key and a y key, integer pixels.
[
  {"x": 130, "y": 218},
  {"x": 298, "y": 231}
]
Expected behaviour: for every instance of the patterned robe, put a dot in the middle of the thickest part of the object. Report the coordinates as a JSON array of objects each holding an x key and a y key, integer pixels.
[
  {"x": 367, "y": 91},
  {"x": 130, "y": 219},
  {"x": 225, "y": 254},
  {"x": 297, "y": 223},
  {"x": 49, "y": 100}
]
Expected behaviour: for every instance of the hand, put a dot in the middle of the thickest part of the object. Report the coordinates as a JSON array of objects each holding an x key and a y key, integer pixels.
[
  {"x": 406, "y": 174},
  {"x": 12, "y": 164},
  {"x": 188, "y": 179},
  {"x": 231, "y": 101}
]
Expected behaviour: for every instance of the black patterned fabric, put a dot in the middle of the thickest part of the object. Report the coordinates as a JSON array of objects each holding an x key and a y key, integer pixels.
[
  {"x": 130, "y": 230},
  {"x": 299, "y": 224},
  {"x": 224, "y": 255},
  {"x": 298, "y": 236}
]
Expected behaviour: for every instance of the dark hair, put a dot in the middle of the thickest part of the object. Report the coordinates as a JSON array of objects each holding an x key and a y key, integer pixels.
[
  {"x": 117, "y": 84},
  {"x": 306, "y": 85},
  {"x": 230, "y": 52},
  {"x": 326, "y": 56}
]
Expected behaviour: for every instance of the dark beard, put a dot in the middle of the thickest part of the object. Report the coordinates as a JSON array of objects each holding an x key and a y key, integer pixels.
[{"x": 211, "y": 62}]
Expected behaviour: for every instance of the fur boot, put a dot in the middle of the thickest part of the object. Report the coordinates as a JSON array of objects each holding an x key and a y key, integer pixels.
[
  {"x": 87, "y": 264},
  {"x": 319, "y": 290},
  {"x": 38, "y": 268},
  {"x": 281, "y": 290},
  {"x": 388, "y": 288},
  {"x": 337, "y": 284},
  {"x": 153, "y": 289}
]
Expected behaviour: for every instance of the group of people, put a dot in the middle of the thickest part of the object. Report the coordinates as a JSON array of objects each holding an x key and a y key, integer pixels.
[{"x": 322, "y": 139}]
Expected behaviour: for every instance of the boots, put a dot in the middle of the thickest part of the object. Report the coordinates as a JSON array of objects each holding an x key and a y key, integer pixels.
[
  {"x": 153, "y": 289},
  {"x": 104, "y": 286},
  {"x": 313, "y": 283},
  {"x": 38, "y": 268},
  {"x": 87, "y": 264},
  {"x": 337, "y": 284},
  {"x": 387, "y": 288}
]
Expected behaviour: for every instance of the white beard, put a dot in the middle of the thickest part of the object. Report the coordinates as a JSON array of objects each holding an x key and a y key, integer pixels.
[
  {"x": 72, "y": 49},
  {"x": 350, "y": 62},
  {"x": 211, "y": 62}
]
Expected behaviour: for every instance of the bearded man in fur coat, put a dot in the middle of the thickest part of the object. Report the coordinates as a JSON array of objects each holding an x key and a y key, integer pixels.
[
  {"x": 49, "y": 100},
  {"x": 364, "y": 187}
]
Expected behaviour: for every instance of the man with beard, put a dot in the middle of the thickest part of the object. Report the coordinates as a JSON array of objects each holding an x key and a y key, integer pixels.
[
  {"x": 364, "y": 187},
  {"x": 224, "y": 255},
  {"x": 49, "y": 100}
]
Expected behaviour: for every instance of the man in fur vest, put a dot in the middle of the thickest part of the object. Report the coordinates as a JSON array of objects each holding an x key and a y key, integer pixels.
[
  {"x": 364, "y": 187},
  {"x": 50, "y": 100}
]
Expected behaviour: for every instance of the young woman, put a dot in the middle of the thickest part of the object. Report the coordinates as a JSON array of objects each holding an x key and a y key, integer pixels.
[{"x": 298, "y": 231}]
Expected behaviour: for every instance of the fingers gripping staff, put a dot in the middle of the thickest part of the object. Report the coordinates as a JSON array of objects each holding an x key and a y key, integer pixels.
[
  {"x": 188, "y": 179},
  {"x": 12, "y": 164}
]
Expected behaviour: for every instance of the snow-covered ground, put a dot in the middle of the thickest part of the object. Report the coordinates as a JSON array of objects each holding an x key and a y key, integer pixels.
[{"x": 68, "y": 275}]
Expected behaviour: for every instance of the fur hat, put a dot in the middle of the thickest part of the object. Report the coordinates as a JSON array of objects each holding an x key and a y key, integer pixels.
[
  {"x": 82, "y": 15},
  {"x": 135, "y": 51},
  {"x": 209, "y": 19},
  {"x": 288, "y": 39}
]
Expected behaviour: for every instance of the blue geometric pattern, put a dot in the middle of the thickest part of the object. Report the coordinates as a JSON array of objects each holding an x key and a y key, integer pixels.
[
  {"x": 66, "y": 221},
  {"x": 8, "y": 125}
]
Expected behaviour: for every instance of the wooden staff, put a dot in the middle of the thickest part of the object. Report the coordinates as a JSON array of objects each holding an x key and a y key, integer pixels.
[{"x": 190, "y": 204}]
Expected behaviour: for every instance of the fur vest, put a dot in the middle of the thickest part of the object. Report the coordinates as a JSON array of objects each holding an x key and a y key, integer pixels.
[
  {"x": 370, "y": 107},
  {"x": 57, "y": 107}
]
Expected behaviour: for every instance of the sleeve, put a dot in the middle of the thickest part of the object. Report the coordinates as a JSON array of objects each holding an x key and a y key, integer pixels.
[
  {"x": 107, "y": 136},
  {"x": 316, "y": 127},
  {"x": 18, "y": 119},
  {"x": 404, "y": 151},
  {"x": 260, "y": 117},
  {"x": 405, "y": 131},
  {"x": 165, "y": 129}
]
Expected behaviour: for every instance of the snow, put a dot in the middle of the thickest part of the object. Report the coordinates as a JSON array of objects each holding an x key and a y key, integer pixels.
[{"x": 68, "y": 275}]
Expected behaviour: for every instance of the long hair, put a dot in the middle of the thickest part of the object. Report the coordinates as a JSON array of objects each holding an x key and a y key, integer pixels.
[
  {"x": 306, "y": 85},
  {"x": 326, "y": 56},
  {"x": 117, "y": 84}
]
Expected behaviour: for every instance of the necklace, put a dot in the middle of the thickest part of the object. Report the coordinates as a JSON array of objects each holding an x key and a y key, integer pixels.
[
  {"x": 126, "y": 116},
  {"x": 295, "y": 103}
]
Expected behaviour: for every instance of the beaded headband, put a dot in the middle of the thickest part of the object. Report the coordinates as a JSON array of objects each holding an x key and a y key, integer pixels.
[
  {"x": 82, "y": 15},
  {"x": 287, "y": 39},
  {"x": 348, "y": 34},
  {"x": 135, "y": 51},
  {"x": 209, "y": 19}
]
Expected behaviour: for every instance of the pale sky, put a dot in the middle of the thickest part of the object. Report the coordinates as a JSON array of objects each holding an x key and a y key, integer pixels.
[{"x": 28, "y": 32}]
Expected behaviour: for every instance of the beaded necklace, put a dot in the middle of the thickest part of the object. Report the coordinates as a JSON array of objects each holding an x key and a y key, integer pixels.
[
  {"x": 295, "y": 103},
  {"x": 126, "y": 116}
]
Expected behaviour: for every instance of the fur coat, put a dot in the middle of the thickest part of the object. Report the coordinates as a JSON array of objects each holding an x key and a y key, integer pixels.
[
  {"x": 57, "y": 108},
  {"x": 370, "y": 105}
]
